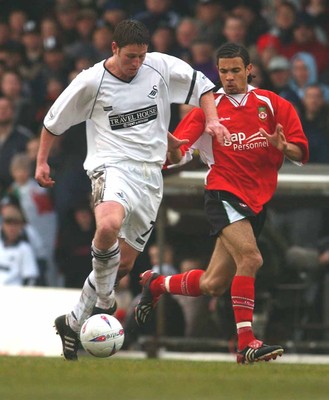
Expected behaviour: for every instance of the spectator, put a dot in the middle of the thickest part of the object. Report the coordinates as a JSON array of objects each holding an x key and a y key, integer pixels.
[
  {"x": 4, "y": 55},
  {"x": 303, "y": 226},
  {"x": 33, "y": 49},
  {"x": 66, "y": 14},
  {"x": 210, "y": 15},
  {"x": 303, "y": 73},
  {"x": 55, "y": 65},
  {"x": 306, "y": 40},
  {"x": 315, "y": 121},
  {"x": 49, "y": 28},
  {"x": 17, "y": 19},
  {"x": 255, "y": 23},
  {"x": 12, "y": 87},
  {"x": 235, "y": 31},
  {"x": 102, "y": 39},
  {"x": 202, "y": 52},
  {"x": 319, "y": 11},
  {"x": 54, "y": 87},
  {"x": 280, "y": 74},
  {"x": 280, "y": 34},
  {"x": 13, "y": 139},
  {"x": 85, "y": 26},
  {"x": 14, "y": 56},
  {"x": 163, "y": 40},
  {"x": 167, "y": 266},
  {"x": 80, "y": 64},
  {"x": 187, "y": 31},
  {"x": 158, "y": 12},
  {"x": 38, "y": 208},
  {"x": 5, "y": 34},
  {"x": 18, "y": 264},
  {"x": 114, "y": 11}
]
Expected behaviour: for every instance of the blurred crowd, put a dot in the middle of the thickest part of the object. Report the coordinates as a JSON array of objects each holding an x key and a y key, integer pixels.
[{"x": 44, "y": 44}]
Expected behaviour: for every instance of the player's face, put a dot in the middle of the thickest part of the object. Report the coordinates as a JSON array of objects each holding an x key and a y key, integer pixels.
[
  {"x": 128, "y": 60},
  {"x": 234, "y": 75}
]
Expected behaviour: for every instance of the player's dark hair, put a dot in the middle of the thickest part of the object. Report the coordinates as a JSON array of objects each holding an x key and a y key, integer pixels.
[
  {"x": 130, "y": 31},
  {"x": 232, "y": 50}
]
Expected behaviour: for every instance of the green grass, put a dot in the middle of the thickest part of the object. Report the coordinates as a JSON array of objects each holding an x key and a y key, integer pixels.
[{"x": 33, "y": 378}]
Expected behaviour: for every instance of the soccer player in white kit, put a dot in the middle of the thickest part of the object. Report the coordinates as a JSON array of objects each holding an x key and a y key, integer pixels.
[{"x": 125, "y": 101}]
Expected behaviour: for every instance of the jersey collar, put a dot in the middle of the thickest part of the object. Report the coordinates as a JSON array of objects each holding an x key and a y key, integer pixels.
[{"x": 249, "y": 89}]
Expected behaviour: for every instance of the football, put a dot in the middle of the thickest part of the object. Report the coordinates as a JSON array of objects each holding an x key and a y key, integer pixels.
[{"x": 102, "y": 335}]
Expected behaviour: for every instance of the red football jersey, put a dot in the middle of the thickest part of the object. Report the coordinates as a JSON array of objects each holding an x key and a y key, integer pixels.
[{"x": 248, "y": 165}]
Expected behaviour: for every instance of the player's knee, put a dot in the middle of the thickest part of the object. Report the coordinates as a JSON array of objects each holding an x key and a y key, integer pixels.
[
  {"x": 256, "y": 260},
  {"x": 107, "y": 228},
  {"x": 213, "y": 287},
  {"x": 251, "y": 263}
]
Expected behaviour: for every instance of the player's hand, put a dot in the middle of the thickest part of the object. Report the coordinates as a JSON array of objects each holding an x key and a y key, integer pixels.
[
  {"x": 174, "y": 154},
  {"x": 217, "y": 130},
  {"x": 175, "y": 143},
  {"x": 42, "y": 176},
  {"x": 277, "y": 139}
]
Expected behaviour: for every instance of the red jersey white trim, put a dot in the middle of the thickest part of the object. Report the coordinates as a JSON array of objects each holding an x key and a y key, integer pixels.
[{"x": 248, "y": 165}]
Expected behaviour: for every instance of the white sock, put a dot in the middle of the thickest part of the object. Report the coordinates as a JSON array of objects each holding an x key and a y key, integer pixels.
[
  {"x": 105, "y": 265},
  {"x": 84, "y": 307}
]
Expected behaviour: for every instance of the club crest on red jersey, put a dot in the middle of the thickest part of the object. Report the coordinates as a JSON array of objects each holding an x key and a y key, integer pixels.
[{"x": 262, "y": 114}]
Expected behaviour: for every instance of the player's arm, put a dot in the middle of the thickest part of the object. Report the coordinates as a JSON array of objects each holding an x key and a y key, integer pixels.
[
  {"x": 42, "y": 170},
  {"x": 288, "y": 137},
  {"x": 279, "y": 141},
  {"x": 293, "y": 152},
  {"x": 174, "y": 153},
  {"x": 212, "y": 125},
  {"x": 74, "y": 105},
  {"x": 187, "y": 132},
  {"x": 182, "y": 79}
]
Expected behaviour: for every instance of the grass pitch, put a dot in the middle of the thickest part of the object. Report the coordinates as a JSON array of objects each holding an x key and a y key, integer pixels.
[{"x": 33, "y": 378}]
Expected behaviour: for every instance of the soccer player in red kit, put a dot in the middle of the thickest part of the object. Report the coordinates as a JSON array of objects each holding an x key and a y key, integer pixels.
[{"x": 241, "y": 180}]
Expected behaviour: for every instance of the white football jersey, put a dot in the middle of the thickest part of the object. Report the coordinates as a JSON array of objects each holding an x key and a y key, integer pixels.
[{"x": 127, "y": 120}]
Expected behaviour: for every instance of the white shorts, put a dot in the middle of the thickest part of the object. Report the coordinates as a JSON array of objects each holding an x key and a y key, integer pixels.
[{"x": 138, "y": 187}]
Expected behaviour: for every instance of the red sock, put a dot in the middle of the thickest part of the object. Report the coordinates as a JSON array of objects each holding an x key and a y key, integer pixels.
[
  {"x": 186, "y": 284},
  {"x": 243, "y": 299}
]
